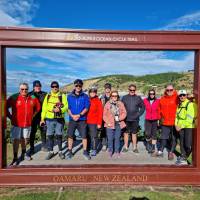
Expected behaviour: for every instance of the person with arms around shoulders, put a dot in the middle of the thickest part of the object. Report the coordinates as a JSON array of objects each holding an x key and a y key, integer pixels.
[
  {"x": 152, "y": 118},
  {"x": 23, "y": 108},
  {"x": 53, "y": 111},
  {"x": 40, "y": 95},
  {"x": 135, "y": 108},
  {"x": 79, "y": 104},
  {"x": 168, "y": 105},
  {"x": 185, "y": 123},
  {"x": 104, "y": 99},
  {"x": 94, "y": 118},
  {"x": 113, "y": 115}
]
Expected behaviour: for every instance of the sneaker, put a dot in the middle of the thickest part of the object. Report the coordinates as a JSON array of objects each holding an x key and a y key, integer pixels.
[
  {"x": 28, "y": 157},
  {"x": 93, "y": 153},
  {"x": 160, "y": 154},
  {"x": 14, "y": 162},
  {"x": 135, "y": 150},
  {"x": 69, "y": 156},
  {"x": 49, "y": 155},
  {"x": 125, "y": 150},
  {"x": 44, "y": 149},
  {"x": 61, "y": 155},
  {"x": 86, "y": 155},
  {"x": 181, "y": 161},
  {"x": 104, "y": 148},
  {"x": 116, "y": 155},
  {"x": 110, "y": 154},
  {"x": 154, "y": 154},
  {"x": 170, "y": 156}
]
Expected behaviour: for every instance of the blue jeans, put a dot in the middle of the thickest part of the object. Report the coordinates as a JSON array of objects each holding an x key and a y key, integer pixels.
[{"x": 113, "y": 136}]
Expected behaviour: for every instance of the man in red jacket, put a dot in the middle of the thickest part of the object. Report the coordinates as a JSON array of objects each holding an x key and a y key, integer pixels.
[
  {"x": 94, "y": 118},
  {"x": 23, "y": 109},
  {"x": 168, "y": 105}
]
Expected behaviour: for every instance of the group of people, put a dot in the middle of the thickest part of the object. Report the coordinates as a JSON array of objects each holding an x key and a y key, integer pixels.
[{"x": 113, "y": 116}]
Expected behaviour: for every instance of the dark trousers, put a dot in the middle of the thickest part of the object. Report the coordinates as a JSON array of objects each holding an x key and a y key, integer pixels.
[
  {"x": 103, "y": 136},
  {"x": 169, "y": 138},
  {"x": 92, "y": 128},
  {"x": 34, "y": 126},
  {"x": 186, "y": 142}
]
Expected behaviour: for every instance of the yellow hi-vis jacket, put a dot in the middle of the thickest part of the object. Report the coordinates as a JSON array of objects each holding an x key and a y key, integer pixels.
[
  {"x": 50, "y": 101},
  {"x": 186, "y": 114}
]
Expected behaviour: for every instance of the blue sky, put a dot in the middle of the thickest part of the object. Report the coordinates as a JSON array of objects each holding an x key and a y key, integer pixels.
[{"x": 66, "y": 65}]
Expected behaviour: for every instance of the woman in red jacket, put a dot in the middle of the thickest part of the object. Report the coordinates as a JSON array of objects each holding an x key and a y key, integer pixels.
[
  {"x": 94, "y": 118},
  {"x": 151, "y": 120}
]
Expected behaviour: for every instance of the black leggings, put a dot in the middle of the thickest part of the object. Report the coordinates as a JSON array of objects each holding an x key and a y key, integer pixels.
[
  {"x": 92, "y": 128},
  {"x": 186, "y": 142}
]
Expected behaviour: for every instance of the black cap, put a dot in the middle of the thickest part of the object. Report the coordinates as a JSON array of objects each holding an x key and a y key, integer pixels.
[
  {"x": 78, "y": 82},
  {"x": 37, "y": 83},
  {"x": 54, "y": 83},
  {"x": 107, "y": 85}
]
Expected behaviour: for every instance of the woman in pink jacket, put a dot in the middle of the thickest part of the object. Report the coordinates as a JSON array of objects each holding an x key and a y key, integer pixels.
[
  {"x": 113, "y": 116},
  {"x": 151, "y": 120}
]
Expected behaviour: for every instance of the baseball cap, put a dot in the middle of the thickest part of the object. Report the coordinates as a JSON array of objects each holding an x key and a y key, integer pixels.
[
  {"x": 78, "y": 82},
  {"x": 37, "y": 83},
  {"x": 107, "y": 85},
  {"x": 54, "y": 83},
  {"x": 182, "y": 92}
]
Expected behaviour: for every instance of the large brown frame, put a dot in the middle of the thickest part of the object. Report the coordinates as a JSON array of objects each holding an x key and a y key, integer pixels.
[{"x": 98, "y": 174}]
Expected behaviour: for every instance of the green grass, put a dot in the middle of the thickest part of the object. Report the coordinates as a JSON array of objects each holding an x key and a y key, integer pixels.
[{"x": 99, "y": 193}]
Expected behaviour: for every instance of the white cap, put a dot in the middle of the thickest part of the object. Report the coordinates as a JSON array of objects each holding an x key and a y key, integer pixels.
[{"x": 182, "y": 92}]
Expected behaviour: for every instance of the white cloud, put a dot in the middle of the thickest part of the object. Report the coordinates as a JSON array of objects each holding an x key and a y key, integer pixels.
[
  {"x": 186, "y": 22},
  {"x": 17, "y": 12}
]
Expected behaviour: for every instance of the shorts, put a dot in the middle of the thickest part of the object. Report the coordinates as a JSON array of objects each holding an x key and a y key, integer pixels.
[
  {"x": 151, "y": 127},
  {"x": 167, "y": 132},
  {"x": 132, "y": 127},
  {"x": 54, "y": 127},
  {"x": 81, "y": 126},
  {"x": 20, "y": 133}
]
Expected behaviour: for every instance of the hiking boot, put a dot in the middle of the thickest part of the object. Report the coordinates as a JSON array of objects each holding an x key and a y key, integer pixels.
[
  {"x": 93, "y": 153},
  {"x": 86, "y": 155},
  {"x": 31, "y": 151},
  {"x": 61, "y": 155},
  {"x": 170, "y": 156},
  {"x": 135, "y": 150},
  {"x": 69, "y": 156},
  {"x": 160, "y": 154},
  {"x": 125, "y": 150},
  {"x": 49, "y": 155},
  {"x": 181, "y": 161},
  {"x": 104, "y": 148}
]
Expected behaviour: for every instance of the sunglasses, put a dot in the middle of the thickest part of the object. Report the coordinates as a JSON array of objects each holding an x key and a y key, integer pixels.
[
  {"x": 182, "y": 95},
  {"x": 23, "y": 89},
  {"x": 54, "y": 86},
  {"x": 151, "y": 93},
  {"x": 114, "y": 95},
  {"x": 169, "y": 90},
  {"x": 131, "y": 90},
  {"x": 80, "y": 86}
]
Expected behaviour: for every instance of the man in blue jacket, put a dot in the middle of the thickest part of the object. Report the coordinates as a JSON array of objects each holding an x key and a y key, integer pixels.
[{"x": 78, "y": 106}]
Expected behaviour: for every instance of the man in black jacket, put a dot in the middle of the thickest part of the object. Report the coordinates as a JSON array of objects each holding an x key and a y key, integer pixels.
[
  {"x": 40, "y": 95},
  {"x": 135, "y": 108}
]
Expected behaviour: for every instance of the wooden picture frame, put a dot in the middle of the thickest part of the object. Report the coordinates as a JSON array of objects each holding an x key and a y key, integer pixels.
[{"x": 98, "y": 174}]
